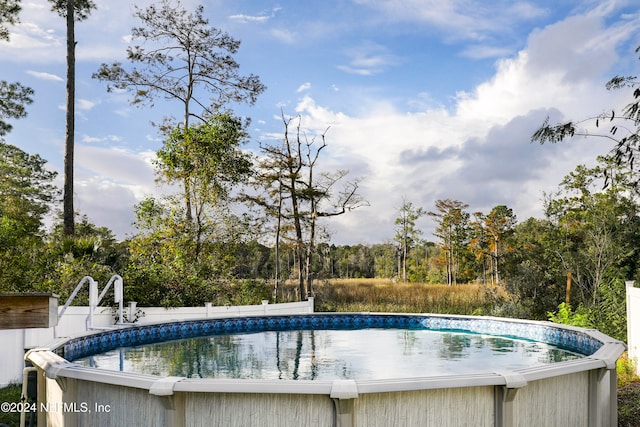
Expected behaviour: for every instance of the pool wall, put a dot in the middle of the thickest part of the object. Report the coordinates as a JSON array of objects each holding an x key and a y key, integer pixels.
[{"x": 579, "y": 392}]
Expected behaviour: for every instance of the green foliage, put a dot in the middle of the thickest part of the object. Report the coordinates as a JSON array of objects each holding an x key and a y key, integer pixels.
[
  {"x": 592, "y": 226},
  {"x": 407, "y": 233},
  {"x": 26, "y": 190},
  {"x": 13, "y": 99},
  {"x": 609, "y": 315},
  {"x": 25, "y": 196},
  {"x": 626, "y": 370},
  {"x": 207, "y": 160},
  {"x": 65, "y": 259},
  {"x": 82, "y": 8},
  {"x": 567, "y": 316},
  {"x": 208, "y": 155},
  {"x": 9, "y": 11},
  {"x": 452, "y": 229},
  {"x": 489, "y": 240},
  {"x": 171, "y": 266}
]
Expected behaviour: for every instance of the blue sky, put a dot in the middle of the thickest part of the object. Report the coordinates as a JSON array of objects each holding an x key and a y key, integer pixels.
[{"x": 425, "y": 99}]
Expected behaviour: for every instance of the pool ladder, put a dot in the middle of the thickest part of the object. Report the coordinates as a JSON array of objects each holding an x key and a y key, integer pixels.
[{"x": 94, "y": 299}]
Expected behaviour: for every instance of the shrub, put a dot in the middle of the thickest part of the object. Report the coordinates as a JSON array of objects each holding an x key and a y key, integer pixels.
[{"x": 567, "y": 316}]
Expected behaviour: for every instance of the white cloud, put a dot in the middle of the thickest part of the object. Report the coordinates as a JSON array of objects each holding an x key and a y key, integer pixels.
[
  {"x": 368, "y": 59},
  {"x": 485, "y": 51},
  {"x": 303, "y": 87},
  {"x": 94, "y": 139},
  {"x": 460, "y": 19},
  {"x": 32, "y": 42},
  {"x": 480, "y": 151},
  {"x": 84, "y": 104},
  {"x": 45, "y": 76},
  {"x": 109, "y": 182},
  {"x": 91, "y": 139},
  {"x": 264, "y": 17},
  {"x": 248, "y": 18},
  {"x": 284, "y": 35}
]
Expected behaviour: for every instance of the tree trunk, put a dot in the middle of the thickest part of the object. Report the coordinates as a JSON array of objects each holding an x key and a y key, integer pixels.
[
  {"x": 68, "y": 210},
  {"x": 496, "y": 255},
  {"x": 310, "y": 246},
  {"x": 299, "y": 241},
  {"x": 278, "y": 228}
]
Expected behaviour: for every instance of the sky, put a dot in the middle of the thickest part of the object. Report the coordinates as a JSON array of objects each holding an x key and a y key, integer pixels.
[{"x": 423, "y": 99}]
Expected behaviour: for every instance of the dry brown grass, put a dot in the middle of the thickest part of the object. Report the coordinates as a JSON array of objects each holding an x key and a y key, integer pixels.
[{"x": 383, "y": 295}]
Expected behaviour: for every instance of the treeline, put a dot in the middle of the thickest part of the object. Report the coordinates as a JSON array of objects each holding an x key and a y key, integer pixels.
[{"x": 587, "y": 230}]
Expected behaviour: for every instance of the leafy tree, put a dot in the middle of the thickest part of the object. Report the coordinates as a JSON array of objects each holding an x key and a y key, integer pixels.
[
  {"x": 9, "y": 11},
  {"x": 179, "y": 54},
  {"x": 422, "y": 263},
  {"x": 588, "y": 231},
  {"x": 26, "y": 195},
  {"x": 591, "y": 225},
  {"x": 533, "y": 271},
  {"x": 72, "y": 11},
  {"x": 208, "y": 161},
  {"x": 98, "y": 244},
  {"x": 406, "y": 233},
  {"x": 479, "y": 243},
  {"x": 26, "y": 188},
  {"x": 453, "y": 231},
  {"x": 270, "y": 197},
  {"x": 384, "y": 260},
  {"x": 13, "y": 99},
  {"x": 92, "y": 250},
  {"x": 163, "y": 268},
  {"x": 609, "y": 315},
  {"x": 491, "y": 232},
  {"x": 13, "y": 96}
]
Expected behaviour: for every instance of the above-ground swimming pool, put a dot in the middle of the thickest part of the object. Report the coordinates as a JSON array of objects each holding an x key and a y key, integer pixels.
[
  {"x": 331, "y": 354},
  {"x": 334, "y": 369}
]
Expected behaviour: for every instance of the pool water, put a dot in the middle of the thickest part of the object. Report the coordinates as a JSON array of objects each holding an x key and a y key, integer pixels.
[{"x": 331, "y": 354}]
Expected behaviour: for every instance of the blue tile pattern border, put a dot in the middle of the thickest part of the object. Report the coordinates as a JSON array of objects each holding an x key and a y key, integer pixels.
[{"x": 101, "y": 342}]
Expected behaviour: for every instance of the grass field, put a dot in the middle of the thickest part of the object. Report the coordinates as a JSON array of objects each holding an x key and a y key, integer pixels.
[{"x": 381, "y": 295}]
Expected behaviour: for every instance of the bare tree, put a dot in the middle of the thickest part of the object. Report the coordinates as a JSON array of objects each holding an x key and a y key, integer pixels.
[
  {"x": 322, "y": 190},
  {"x": 296, "y": 194}
]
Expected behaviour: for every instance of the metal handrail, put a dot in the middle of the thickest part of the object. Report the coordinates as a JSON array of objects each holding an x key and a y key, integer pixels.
[
  {"x": 94, "y": 298},
  {"x": 118, "y": 290},
  {"x": 85, "y": 279}
]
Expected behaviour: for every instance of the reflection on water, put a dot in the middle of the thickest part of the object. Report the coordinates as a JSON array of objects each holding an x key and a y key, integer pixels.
[{"x": 330, "y": 354}]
